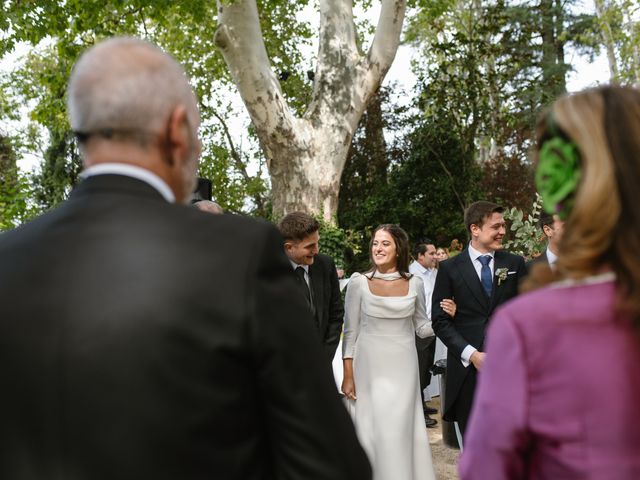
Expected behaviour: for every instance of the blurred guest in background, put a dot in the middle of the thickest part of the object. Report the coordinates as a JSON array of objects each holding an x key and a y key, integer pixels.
[
  {"x": 441, "y": 254},
  {"x": 208, "y": 206},
  {"x": 552, "y": 228},
  {"x": 454, "y": 248},
  {"x": 425, "y": 267}
]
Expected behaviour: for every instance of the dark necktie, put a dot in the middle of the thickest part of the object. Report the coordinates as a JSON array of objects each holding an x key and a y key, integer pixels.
[
  {"x": 485, "y": 274},
  {"x": 303, "y": 284}
]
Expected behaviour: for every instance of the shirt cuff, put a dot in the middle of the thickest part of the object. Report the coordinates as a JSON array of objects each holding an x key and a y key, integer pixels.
[{"x": 465, "y": 358}]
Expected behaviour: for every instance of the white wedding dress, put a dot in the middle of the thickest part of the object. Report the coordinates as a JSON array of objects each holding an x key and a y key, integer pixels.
[{"x": 388, "y": 416}]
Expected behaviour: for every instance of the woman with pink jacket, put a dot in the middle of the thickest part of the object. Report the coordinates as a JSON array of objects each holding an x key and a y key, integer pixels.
[{"x": 559, "y": 393}]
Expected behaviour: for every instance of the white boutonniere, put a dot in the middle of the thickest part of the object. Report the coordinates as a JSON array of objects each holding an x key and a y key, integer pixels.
[{"x": 501, "y": 273}]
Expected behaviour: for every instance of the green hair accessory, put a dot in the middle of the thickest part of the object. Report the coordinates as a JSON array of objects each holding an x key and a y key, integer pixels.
[{"x": 558, "y": 173}]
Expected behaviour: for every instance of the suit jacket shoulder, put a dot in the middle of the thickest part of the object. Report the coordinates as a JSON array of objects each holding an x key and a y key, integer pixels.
[{"x": 324, "y": 262}]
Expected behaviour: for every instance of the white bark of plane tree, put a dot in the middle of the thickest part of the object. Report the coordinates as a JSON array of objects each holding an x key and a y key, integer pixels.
[{"x": 305, "y": 155}]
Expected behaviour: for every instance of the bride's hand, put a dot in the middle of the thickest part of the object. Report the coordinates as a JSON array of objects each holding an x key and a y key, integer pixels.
[
  {"x": 349, "y": 388},
  {"x": 449, "y": 307}
]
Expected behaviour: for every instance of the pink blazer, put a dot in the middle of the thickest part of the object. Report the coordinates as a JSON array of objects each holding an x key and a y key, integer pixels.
[{"x": 559, "y": 394}]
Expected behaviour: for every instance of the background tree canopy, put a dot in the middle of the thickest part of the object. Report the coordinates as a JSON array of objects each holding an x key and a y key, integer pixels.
[{"x": 485, "y": 70}]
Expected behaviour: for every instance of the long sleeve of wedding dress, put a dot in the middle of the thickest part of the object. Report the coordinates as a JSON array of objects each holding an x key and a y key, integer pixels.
[{"x": 421, "y": 322}]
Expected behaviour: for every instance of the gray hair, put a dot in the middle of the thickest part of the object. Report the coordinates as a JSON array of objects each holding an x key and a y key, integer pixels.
[
  {"x": 127, "y": 84},
  {"x": 208, "y": 206}
]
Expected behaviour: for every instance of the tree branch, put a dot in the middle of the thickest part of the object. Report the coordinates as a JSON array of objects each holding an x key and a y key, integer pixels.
[
  {"x": 239, "y": 37},
  {"x": 337, "y": 58},
  {"x": 237, "y": 159},
  {"x": 235, "y": 155},
  {"x": 387, "y": 38}
]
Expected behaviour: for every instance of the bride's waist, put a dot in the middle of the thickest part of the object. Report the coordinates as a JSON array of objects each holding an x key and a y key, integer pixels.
[{"x": 398, "y": 330}]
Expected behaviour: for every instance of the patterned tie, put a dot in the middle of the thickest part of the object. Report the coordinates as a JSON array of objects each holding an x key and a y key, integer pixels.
[
  {"x": 485, "y": 274},
  {"x": 303, "y": 284}
]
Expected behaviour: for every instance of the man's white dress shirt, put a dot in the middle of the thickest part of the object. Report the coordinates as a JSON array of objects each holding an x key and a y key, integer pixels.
[{"x": 428, "y": 276}]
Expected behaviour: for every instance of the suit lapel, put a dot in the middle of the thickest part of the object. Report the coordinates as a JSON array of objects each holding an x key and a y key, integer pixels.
[
  {"x": 470, "y": 277},
  {"x": 500, "y": 262}
]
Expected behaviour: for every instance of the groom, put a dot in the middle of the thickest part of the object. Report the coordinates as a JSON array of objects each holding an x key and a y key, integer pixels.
[{"x": 479, "y": 279}]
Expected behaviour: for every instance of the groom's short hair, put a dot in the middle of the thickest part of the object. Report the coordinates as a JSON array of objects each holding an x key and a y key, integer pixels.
[
  {"x": 298, "y": 225},
  {"x": 478, "y": 212}
]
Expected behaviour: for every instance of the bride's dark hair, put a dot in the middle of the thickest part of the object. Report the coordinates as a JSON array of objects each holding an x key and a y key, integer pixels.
[{"x": 401, "y": 240}]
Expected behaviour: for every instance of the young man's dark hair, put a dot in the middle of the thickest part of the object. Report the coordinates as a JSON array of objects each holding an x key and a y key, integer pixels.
[
  {"x": 298, "y": 225},
  {"x": 546, "y": 220},
  {"x": 420, "y": 246},
  {"x": 478, "y": 212}
]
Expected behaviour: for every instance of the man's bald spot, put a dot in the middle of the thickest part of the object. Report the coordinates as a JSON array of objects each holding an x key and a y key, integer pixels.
[{"x": 127, "y": 84}]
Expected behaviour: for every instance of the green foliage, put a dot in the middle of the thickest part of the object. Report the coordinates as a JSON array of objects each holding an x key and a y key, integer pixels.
[
  {"x": 232, "y": 187},
  {"x": 58, "y": 31},
  {"x": 490, "y": 67},
  {"x": 616, "y": 29},
  {"x": 15, "y": 189},
  {"x": 508, "y": 180},
  {"x": 58, "y": 172},
  {"x": 337, "y": 242},
  {"x": 428, "y": 177},
  {"x": 434, "y": 183},
  {"x": 528, "y": 239}
]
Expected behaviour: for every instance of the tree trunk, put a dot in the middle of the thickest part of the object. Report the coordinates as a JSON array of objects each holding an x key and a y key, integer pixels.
[
  {"x": 607, "y": 39},
  {"x": 305, "y": 156},
  {"x": 553, "y": 66}
]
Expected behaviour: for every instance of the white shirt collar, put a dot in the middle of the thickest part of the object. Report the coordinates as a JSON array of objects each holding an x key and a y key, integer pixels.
[
  {"x": 474, "y": 254},
  {"x": 551, "y": 257},
  {"x": 418, "y": 267},
  {"x": 295, "y": 265},
  {"x": 132, "y": 171}
]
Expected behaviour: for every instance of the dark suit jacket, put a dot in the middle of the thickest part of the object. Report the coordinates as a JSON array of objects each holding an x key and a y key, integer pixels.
[
  {"x": 457, "y": 279},
  {"x": 329, "y": 311},
  {"x": 141, "y": 339}
]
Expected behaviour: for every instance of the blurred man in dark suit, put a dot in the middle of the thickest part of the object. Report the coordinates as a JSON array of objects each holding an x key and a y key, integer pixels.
[
  {"x": 316, "y": 276},
  {"x": 141, "y": 338}
]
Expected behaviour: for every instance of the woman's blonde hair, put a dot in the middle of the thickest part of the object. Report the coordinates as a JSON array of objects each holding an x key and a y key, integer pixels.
[{"x": 603, "y": 227}]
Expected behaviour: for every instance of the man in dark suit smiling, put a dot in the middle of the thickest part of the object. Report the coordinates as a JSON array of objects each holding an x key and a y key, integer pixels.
[
  {"x": 141, "y": 338},
  {"x": 316, "y": 276},
  {"x": 479, "y": 279}
]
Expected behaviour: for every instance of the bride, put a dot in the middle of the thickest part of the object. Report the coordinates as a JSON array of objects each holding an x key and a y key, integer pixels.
[{"x": 383, "y": 309}]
